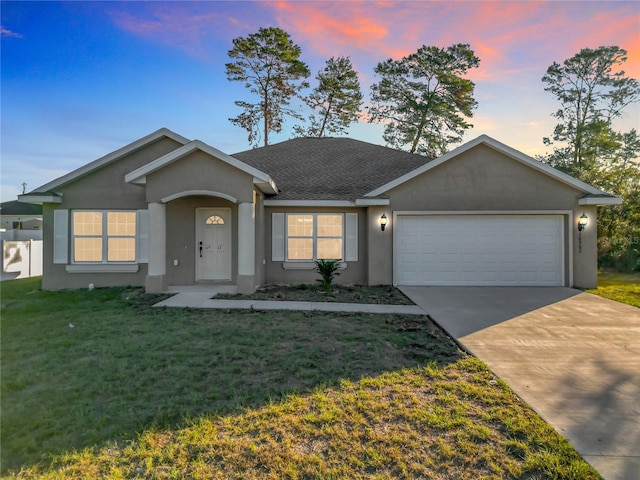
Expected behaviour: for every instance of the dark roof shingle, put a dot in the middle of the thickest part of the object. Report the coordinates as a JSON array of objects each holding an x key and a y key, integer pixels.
[
  {"x": 329, "y": 168},
  {"x": 14, "y": 207}
]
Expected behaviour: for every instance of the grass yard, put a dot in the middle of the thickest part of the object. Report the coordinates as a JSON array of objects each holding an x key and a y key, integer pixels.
[
  {"x": 621, "y": 287},
  {"x": 97, "y": 384}
]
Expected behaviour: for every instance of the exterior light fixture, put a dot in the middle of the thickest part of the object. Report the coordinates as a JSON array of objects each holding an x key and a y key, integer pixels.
[
  {"x": 383, "y": 222},
  {"x": 582, "y": 222}
]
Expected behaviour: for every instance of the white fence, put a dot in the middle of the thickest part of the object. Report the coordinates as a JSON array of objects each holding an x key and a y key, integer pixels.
[
  {"x": 21, "y": 259},
  {"x": 12, "y": 235}
]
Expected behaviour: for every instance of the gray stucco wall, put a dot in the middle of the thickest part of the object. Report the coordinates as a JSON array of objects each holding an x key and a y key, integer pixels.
[
  {"x": 380, "y": 248},
  {"x": 585, "y": 264},
  {"x": 101, "y": 189},
  {"x": 181, "y": 237},
  {"x": 483, "y": 179},
  {"x": 54, "y": 277},
  {"x": 261, "y": 258},
  {"x": 355, "y": 273},
  {"x": 106, "y": 187},
  {"x": 199, "y": 171}
]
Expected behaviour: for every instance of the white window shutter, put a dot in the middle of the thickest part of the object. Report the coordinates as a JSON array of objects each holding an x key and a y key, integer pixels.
[
  {"x": 351, "y": 237},
  {"x": 277, "y": 237},
  {"x": 142, "y": 236},
  {"x": 61, "y": 236}
]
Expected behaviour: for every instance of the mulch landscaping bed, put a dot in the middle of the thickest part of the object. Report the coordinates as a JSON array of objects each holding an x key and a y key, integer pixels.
[{"x": 379, "y": 294}]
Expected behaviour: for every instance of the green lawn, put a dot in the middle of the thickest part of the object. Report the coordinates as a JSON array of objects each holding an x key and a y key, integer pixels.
[
  {"x": 97, "y": 384},
  {"x": 621, "y": 287}
]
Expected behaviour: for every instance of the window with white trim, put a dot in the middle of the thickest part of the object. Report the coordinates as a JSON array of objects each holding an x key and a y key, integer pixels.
[
  {"x": 315, "y": 236},
  {"x": 101, "y": 236}
]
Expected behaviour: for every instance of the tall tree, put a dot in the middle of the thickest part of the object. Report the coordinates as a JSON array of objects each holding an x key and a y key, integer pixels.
[
  {"x": 269, "y": 65},
  {"x": 335, "y": 100},
  {"x": 593, "y": 91},
  {"x": 423, "y": 99},
  {"x": 618, "y": 225}
]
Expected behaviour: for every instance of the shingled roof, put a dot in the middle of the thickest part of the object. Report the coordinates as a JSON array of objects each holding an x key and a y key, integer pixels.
[
  {"x": 16, "y": 208},
  {"x": 329, "y": 168}
]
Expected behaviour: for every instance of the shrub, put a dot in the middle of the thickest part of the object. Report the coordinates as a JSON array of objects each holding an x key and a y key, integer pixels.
[{"x": 328, "y": 270}]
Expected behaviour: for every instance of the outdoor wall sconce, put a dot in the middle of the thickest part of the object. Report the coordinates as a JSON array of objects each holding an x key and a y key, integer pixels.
[
  {"x": 383, "y": 222},
  {"x": 582, "y": 222}
]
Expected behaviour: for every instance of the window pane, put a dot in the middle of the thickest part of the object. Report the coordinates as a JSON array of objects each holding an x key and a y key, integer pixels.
[
  {"x": 329, "y": 225},
  {"x": 299, "y": 225},
  {"x": 121, "y": 223},
  {"x": 329, "y": 249},
  {"x": 87, "y": 223},
  {"x": 121, "y": 250},
  {"x": 300, "y": 249},
  {"x": 87, "y": 249}
]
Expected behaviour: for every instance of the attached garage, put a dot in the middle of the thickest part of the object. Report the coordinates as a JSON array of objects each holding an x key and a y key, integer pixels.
[{"x": 482, "y": 250}]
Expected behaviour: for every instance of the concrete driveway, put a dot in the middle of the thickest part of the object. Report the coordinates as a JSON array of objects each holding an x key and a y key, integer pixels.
[{"x": 573, "y": 356}]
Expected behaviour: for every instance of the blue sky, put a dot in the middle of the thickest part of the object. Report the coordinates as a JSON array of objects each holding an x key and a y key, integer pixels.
[{"x": 81, "y": 79}]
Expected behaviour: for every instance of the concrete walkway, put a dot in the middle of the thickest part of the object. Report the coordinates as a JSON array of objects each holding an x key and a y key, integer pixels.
[
  {"x": 574, "y": 357},
  {"x": 201, "y": 297}
]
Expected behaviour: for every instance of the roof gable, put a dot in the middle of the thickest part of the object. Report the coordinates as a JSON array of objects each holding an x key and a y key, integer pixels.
[
  {"x": 110, "y": 158},
  {"x": 505, "y": 150},
  {"x": 261, "y": 179}
]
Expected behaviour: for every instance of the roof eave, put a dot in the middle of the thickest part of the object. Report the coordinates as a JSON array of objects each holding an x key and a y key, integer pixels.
[
  {"x": 40, "y": 198},
  {"x": 263, "y": 180},
  {"x": 268, "y": 186},
  {"x": 369, "y": 202},
  {"x": 111, "y": 157},
  {"x": 359, "y": 202},
  {"x": 599, "y": 200},
  {"x": 309, "y": 203}
]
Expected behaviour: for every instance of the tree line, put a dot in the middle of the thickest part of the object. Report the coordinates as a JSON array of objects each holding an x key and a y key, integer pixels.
[
  {"x": 422, "y": 99},
  {"x": 425, "y": 102}
]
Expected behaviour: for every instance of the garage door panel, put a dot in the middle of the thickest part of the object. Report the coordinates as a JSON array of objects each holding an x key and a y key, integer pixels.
[{"x": 480, "y": 250}]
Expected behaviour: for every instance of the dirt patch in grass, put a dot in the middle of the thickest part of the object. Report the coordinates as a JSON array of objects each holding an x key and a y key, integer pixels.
[{"x": 378, "y": 294}]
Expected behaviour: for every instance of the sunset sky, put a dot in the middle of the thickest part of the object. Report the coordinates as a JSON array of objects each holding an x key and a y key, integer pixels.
[{"x": 81, "y": 79}]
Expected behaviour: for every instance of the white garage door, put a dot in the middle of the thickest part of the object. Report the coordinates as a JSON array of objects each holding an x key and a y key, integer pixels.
[{"x": 479, "y": 250}]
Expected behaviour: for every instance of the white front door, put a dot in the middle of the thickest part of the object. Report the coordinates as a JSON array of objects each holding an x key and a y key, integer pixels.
[{"x": 213, "y": 244}]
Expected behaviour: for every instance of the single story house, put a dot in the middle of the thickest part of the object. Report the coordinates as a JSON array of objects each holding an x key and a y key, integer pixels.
[{"x": 165, "y": 210}]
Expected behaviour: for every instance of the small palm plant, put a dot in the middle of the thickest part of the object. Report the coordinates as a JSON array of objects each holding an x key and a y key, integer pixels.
[{"x": 328, "y": 270}]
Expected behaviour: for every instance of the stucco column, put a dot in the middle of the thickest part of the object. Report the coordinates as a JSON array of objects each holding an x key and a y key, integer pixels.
[
  {"x": 380, "y": 246},
  {"x": 156, "y": 281},
  {"x": 246, "y": 247},
  {"x": 585, "y": 248}
]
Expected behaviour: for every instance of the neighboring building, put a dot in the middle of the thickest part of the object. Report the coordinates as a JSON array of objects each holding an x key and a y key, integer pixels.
[
  {"x": 20, "y": 221},
  {"x": 21, "y": 236},
  {"x": 165, "y": 210}
]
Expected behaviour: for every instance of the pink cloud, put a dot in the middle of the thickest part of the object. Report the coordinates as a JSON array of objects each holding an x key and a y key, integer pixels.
[
  {"x": 180, "y": 25},
  {"x": 611, "y": 28},
  {"x": 330, "y": 28},
  {"x": 376, "y": 31},
  {"x": 511, "y": 38}
]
